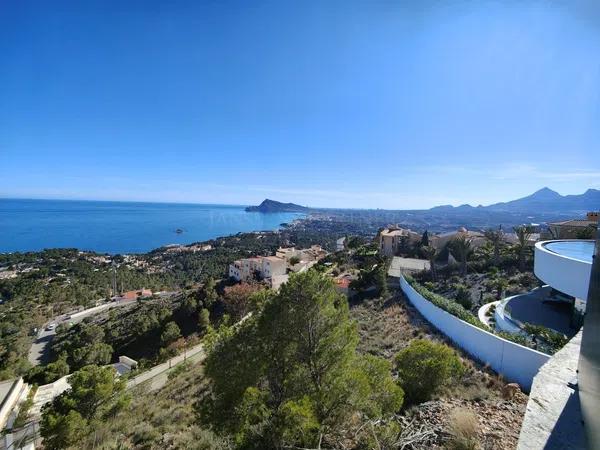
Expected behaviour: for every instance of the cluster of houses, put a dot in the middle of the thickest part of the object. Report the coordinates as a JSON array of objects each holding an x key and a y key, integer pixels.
[
  {"x": 573, "y": 229},
  {"x": 392, "y": 239},
  {"x": 275, "y": 269}
]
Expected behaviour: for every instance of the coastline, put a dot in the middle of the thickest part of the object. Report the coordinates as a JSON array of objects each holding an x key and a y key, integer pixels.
[{"x": 124, "y": 227}]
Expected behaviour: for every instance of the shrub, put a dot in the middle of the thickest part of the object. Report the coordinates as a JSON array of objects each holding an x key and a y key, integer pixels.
[
  {"x": 555, "y": 340},
  {"x": 424, "y": 366},
  {"x": 463, "y": 297},
  {"x": 144, "y": 434},
  {"x": 527, "y": 280},
  {"x": 199, "y": 439},
  {"x": 514, "y": 337},
  {"x": 170, "y": 333},
  {"x": 429, "y": 285},
  {"x": 463, "y": 427},
  {"x": 488, "y": 299}
]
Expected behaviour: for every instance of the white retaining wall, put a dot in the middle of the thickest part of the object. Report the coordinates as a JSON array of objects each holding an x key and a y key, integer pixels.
[
  {"x": 515, "y": 362},
  {"x": 10, "y": 401},
  {"x": 93, "y": 310}
]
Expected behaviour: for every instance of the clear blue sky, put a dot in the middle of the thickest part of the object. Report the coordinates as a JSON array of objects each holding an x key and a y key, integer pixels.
[{"x": 352, "y": 104}]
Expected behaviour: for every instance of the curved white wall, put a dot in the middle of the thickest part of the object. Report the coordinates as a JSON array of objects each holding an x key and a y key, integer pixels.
[
  {"x": 515, "y": 362},
  {"x": 565, "y": 274}
]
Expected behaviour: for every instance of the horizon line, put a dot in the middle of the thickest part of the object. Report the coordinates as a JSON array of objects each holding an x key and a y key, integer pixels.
[
  {"x": 199, "y": 204},
  {"x": 245, "y": 205}
]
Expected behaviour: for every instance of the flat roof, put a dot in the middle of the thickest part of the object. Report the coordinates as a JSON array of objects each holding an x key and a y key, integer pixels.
[
  {"x": 274, "y": 258},
  {"x": 584, "y": 223}
]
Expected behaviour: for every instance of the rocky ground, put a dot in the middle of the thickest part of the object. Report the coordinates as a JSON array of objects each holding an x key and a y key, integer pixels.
[
  {"x": 498, "y": 422},
  {"x": 386, "y": 328}
]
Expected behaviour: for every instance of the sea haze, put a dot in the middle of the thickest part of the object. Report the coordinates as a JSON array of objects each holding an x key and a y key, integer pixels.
[{"x": 121, "y": 227}]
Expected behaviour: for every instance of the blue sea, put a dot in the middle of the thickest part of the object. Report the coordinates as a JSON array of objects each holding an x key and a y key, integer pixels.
[{"x": 122, "y": 227}]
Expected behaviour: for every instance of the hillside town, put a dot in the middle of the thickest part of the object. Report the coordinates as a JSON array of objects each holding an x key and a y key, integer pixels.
[{"x": 503, "y": 284}]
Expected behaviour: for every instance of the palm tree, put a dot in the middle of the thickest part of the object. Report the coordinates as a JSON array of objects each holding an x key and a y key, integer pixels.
[
  {"x": 523, "y": 234},
  {"x": 431, "y": 253},
  {"x": 496, "y": 238},
  {"x": 462, "y": 247}
]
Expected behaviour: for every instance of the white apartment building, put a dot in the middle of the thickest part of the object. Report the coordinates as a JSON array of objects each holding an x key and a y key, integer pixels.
[
  {"x": 274, "y": 269},
  {"x": 272, "y": 266},
  {"x": 245, "y": 269}
]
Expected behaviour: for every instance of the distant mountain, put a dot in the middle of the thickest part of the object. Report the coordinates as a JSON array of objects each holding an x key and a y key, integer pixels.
[
  {"x": 442, "y": 208},
  {"x": 272, "y": 206},
  {"x": 543, "y": 201}
]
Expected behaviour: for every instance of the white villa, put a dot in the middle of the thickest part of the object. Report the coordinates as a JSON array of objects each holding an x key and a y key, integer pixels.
[
  {"x": 392, "y": 237},
  {"x": 274, "y": 269}
]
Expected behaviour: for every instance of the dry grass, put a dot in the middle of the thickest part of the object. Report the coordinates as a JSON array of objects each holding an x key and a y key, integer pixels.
[
  {"x": 386, "y": 328},
  {"x": 164, "y": 419},
  {"x": 463, "y": 427}
]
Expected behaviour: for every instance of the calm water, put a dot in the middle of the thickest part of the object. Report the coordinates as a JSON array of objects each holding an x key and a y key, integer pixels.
[
  {"x": 581, "y": 250},
  {"x": 121, "y": 227}
]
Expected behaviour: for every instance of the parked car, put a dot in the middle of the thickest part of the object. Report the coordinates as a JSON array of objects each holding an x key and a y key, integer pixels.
[{"x": 51, "y": 326}]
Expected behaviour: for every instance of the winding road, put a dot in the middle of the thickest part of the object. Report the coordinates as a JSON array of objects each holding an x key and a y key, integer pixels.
[{"x": 40, "y": 349}]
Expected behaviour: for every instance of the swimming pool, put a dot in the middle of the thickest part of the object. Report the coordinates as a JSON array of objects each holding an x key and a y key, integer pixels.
[{"x": 579, "y": 250}]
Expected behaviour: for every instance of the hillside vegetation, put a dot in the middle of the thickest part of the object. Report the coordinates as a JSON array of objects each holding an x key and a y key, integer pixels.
[{"x": 259, "y": 387}]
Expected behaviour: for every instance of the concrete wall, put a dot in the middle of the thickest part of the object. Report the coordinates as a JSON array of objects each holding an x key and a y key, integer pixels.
[
  {"x": 128, "y": 361},
  {"x": 515, "y": 362},
  {"x": 93, "y": 310},
  {"x": 568, "y": 275},
  {"x": 10, "y": 400}
]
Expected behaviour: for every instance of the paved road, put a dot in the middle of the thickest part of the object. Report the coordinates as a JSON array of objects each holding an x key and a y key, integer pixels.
[
  {"x": 159, "y": 374},
  {"x": 39, "y": 351}
]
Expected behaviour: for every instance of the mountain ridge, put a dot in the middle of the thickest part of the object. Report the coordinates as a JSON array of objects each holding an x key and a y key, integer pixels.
[{"x": 542, "y": 200}]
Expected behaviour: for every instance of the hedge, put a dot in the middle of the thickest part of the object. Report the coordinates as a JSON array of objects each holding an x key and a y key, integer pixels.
[{"x": 457, "y": 310}]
